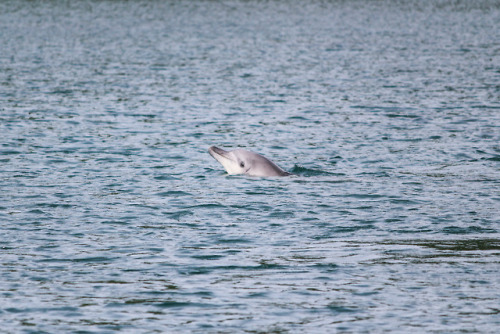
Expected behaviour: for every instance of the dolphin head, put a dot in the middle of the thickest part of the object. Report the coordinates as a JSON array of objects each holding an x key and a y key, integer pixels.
[{"x": 241, "y": 161}]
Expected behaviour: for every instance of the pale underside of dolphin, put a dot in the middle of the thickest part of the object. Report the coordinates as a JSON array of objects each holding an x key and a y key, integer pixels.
[{"x": 241, "y": 161}]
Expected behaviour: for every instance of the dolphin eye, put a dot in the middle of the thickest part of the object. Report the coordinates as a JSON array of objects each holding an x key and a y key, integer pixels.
[{"x": 242, "y": 164}]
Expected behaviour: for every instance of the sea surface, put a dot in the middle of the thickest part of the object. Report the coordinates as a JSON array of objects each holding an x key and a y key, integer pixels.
[{"x": 115, "y": 219}]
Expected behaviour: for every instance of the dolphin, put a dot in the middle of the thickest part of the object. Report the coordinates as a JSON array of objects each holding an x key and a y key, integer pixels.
[{"x": 241, "y": 161}]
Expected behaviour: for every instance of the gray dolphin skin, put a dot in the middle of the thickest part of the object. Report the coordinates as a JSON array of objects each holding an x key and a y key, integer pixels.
[{"x": 241, "y": 161}]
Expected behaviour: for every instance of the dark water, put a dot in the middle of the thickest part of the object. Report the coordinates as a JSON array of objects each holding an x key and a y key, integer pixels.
[{"x": 114, "y": 218}]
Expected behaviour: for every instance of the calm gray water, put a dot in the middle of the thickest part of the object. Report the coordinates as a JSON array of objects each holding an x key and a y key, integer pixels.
[{"x": 114, "y": 217}]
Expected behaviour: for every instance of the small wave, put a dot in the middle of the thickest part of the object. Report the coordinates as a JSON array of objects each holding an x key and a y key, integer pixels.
[
  {"x": 172, "y": 193},
  {"x": 177, "y": 215},
  {"x": 303, "y": 171}
]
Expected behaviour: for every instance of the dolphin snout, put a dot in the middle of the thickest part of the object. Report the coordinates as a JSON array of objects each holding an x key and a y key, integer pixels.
[{"x": 215, "y": 150}]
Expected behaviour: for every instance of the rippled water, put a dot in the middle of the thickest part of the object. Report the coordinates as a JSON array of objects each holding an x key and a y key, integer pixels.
[{"x": 114, "y": 217}]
